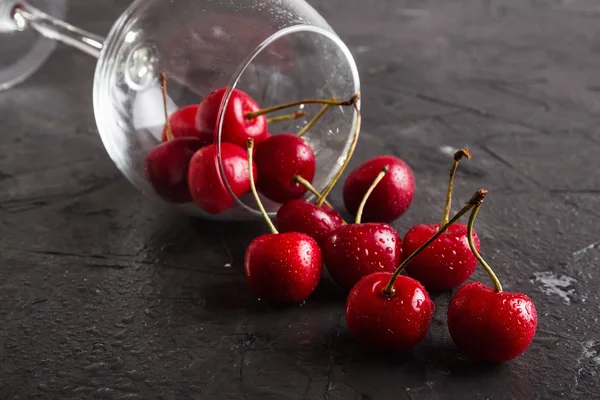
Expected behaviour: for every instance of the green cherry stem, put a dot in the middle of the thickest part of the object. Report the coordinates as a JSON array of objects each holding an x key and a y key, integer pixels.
[
  {"x": 485, "y": 265},
  {"x": 253, "y": 187},
  {"x": 457, "y": 157},
  {"x": 378, "y": 179},
  {"x": 314, "y": 191},
  {"x": 295, "y": 115},
  {"x": 163, "y": 86},
  {"x": 473, "y": 202},
  {"x": 310, "y": 188},
  {"x": 349, "y": 102},
  {"x": 313, "y": 121},
  {"x": 348, "y": 157}
]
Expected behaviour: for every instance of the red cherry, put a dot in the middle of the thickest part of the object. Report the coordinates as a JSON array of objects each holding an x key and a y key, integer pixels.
[
  {"x": 390, "y": 323},
  {"x": 355, "y": 250},
  {"x": 281, "y": 267},
  {"x": 390, "y": 199},
  {"x": 448, "y": 261},
  {"x": 207, "y": 187},
  {"x": 308, "y": 218},
  {"x": 489, "y": 325},
  {"x": 320, "y": 219},
  {"x": 279, "y": 160},
  {"x": 183, "y": 124},
  {"x": 444, "y": 264},
  {"x": 236, "y": 127},
  {"x": 167, "y": 165}
]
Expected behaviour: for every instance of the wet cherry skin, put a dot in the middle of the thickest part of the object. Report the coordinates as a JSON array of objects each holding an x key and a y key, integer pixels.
[
  {"x": 183, "y": 124},
  {"x": 279, "y": 159},
  {"x": 489, "y": 325},
  {"x": 206, "y": 185},
  {"x": 237, "y": 128},
  {"x": 308, "y": 218},
  {"x": 166, "y": 167},
  {"x": 355, "y": 250},
  {"x": 283, "y": 267},
  {"x": 447, "y": 262},
  {"x": 392, "y": 196},
  {"x": 385, "y": 323}
]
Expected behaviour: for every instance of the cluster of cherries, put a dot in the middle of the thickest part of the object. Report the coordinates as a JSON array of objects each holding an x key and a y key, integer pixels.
[
  {"x": 185, "y": 166},
  {"x": 385, "y": 309}
]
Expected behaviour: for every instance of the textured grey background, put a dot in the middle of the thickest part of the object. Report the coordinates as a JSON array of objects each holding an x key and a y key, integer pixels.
[{"x": 103, "y": 296}]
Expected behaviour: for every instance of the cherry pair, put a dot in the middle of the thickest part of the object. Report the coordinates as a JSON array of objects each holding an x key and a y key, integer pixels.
[
  {"x": 350, "y": 251},
  {"x": 389, "y": 199},
  {"x": 200, "y": 120}
]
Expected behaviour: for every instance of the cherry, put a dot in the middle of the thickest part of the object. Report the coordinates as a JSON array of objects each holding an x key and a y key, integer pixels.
[
  {"x": 281, "y": 267},
  {"x": 392, "y": 197},
  {"x": 311, "y": 219},
  {"x": 448, "y": 262},
  {"x": 390, "y": 323},
  {"x": 166, "y": 168},
  {"x": 320, "y": 219},
  {"x": 444, "y": 265},
  {"x": 236, "y": 127},
  {"x": 391, "y": 312},
  {"x": 352, "y": 251},
  {"x": 487, "y": 323},
  {"x": 167, "y": 164},
  {"x": 207, "y": 186},
  {"x": 183, "y": 124},
  {"x": 279, "y": 159},
  {"x": 282, "y": 157}
]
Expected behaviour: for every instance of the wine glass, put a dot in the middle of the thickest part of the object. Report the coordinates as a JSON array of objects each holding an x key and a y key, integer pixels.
[{"x": 277, "y": 51}]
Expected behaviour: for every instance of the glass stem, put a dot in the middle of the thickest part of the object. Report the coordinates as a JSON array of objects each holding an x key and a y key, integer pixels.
[{"x": 26, "y": 15}]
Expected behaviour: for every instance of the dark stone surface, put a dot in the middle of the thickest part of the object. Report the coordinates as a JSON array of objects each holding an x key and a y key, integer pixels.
[{"x": 102, "y": 296}]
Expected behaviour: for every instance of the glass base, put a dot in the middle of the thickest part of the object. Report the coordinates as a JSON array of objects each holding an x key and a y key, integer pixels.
[{"x": 22, "y": 53}]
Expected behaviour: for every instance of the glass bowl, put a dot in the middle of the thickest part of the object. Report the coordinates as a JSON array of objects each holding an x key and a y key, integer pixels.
[{"x": 277, "y": 51}]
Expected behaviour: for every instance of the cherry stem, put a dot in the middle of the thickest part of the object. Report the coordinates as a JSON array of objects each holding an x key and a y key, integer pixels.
[
  {"x": 485, "y": 265},
  {"x": 348, "y": 157},
  {"x": 295, "y": 115},
  {"x": 314, "y": 120},
  {"x": 457, "y": 157},
  {"x": 378, "y": 179},
  {"x": 253, "y": 187},
  {"x": 473, "y": 202},
  {"x": 349, "y": 102},
  {"x": 310, "y": 187},
  {"x": 163, "y": 86}
]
